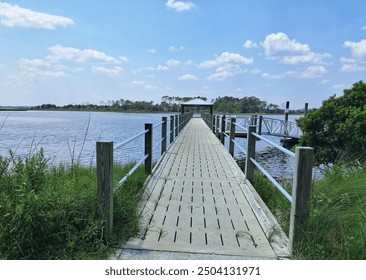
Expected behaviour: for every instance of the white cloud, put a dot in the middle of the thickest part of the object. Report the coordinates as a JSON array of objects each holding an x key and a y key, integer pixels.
[
  {"x": 357, "y": 61},
  {"x": 352, "y": 68},
  {"x": 358, "y": 49},
  {"x": 38, "y": 68},
  {"x": 151, "y": 50},
  {"x": 175, "y": 48},
  {"x": 144, "y": 85},
  {"x": 224, "y": 58},
  {"x": 173, "y": 62},
  {"x": 179, "y": 5},
  {"x": 112, "y": 72},
  {"x": 279, "y": 43},
  {"x": 278, "y": 46},
  {"x": 59, "y": 52},
  {"x": 309, "y": 57},
  {"x": 13, "y": 15},
  {"x": 310, "y": 72},
  {"x": 162, "y": 68},
  {"x": 224, "y": 72},
  {"x": 363, "y": 27},
  {"x": 250, "y": 44},
  {"x": 187, "y": 77}
]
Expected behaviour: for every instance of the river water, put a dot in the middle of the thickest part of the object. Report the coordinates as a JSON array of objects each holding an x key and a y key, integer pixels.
[{"x": 69, "y": 137}]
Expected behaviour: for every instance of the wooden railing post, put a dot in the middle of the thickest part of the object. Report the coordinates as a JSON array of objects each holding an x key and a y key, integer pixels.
[
  {"x": 213, "y": 123},
  {"x": 148, "y": 147},
  {"x": 300, "y": 205},
  {"x": 104, "y": 157},
  {"x": 260, "y": 125},
  {"x": 163, "y": 135},
  {"x": 176, "y": 125},
  {"x": 249, "y": 165},
  {"x": 223, "y": 127},
  {"x": 171, "y": 129},
  {"x": 217, "y": 126},
  {"x": 232, "y": 136}
]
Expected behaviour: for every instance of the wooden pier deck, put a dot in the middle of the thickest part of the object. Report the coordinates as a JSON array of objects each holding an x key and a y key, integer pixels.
[{"x": 201, "y": 205}]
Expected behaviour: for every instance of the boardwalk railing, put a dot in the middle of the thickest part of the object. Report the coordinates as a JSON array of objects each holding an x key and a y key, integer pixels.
[
  {"x": 105, "y": 161},
  {"x": 300, "y": 196},
  {"x": 266, "y": 125}
]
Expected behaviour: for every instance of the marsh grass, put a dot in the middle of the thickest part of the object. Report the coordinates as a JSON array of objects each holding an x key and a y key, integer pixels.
[
  {"x": 52, "y": 212},
  {"x": 337, "y": 222}
]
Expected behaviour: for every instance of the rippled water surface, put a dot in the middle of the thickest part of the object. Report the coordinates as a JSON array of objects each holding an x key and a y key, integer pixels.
[{"x": 68, "y": 137}]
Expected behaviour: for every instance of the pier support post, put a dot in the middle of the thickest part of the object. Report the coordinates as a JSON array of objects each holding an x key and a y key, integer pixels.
[
  {"x": 260, "y": 125},
  {"x": 104, "y": 157},
  {"x": 213, "y": 123},
  {"x": 148, "y": 147},
  {"x": 176, "y": 125},
  {"x": 163, "y": 135},
  {"x": 232, "y": 136},
  {"x": 249, "y": 165},
  {"x": 223, "y": 126},
  {"x": 217, "y": 126},
  {"x": 171, "y": 129},
  {"x": 300, "y": 205}
]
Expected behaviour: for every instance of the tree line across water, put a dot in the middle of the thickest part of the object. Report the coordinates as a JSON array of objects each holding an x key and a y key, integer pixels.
[{"x": 226, "y": 104}]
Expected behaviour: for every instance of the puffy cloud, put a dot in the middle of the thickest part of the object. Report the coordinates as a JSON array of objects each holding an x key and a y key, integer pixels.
[
  {"x": 358, "y": 49},
  {"x": 59, "y": 52},
  {"x": 13, "y": 15},
  {"x": 179, "y": 5},
  {"x": 224, "y": 72},
  {"x": 162, "y": 68},
  {"x": 224, "y": 58},
  {"x": 357, "y": 61},
  {"x": 144, "y": 85},
  {"x": 250, "y": 44},
  {"x": 38, "y": 68},
  {"x": 151, "y": 50},
  {"x": 309, "y": 57},
  {"x": 187, "y": 77},
  {"x": 173, "y": 62},
  {"x": 175, "y": 48},
  {"x": 311, "y": 72},
  {"x": 276, "y": 43},
  {"x": 278, "y": 46},
  {"x": 112, "y": 72}
]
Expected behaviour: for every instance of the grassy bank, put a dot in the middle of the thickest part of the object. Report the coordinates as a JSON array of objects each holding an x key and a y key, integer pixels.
[
  {"x": 337, "y": 223},
  {"x": 51, "y": 213}
]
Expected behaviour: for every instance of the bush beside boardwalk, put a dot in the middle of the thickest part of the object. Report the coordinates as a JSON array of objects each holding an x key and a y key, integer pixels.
[
  {"x": 51, "y": 213},
  {"x": 337, "y": 223}
]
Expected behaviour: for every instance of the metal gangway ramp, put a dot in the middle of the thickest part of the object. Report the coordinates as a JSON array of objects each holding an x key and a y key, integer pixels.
[{"x": 201, "y": 205}]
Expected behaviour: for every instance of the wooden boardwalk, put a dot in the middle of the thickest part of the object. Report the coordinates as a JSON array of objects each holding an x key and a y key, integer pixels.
[{"x": 200, "y": 203}]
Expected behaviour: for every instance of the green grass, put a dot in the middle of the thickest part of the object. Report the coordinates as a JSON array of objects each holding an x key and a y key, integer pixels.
[
  {"x": 337, "y": 222},
  {"x": 52, "y": 213}
]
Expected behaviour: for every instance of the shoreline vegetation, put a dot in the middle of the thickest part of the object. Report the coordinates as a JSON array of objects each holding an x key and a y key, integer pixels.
[
  {"x": 50, "y": 213},
  {"x": 336, "y": 229},
  {"x": 226, "y": 104}
]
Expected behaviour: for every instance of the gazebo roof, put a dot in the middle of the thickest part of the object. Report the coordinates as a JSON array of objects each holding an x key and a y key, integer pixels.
[{"x": 197, "y": 102}]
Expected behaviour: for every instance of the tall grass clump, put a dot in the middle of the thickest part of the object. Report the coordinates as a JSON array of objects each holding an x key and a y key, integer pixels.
[
  {"x": 52, "y": 212},
  {"x": 337, "y": 223}
]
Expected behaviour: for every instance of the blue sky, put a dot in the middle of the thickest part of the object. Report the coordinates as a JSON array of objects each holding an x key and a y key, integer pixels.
[{"x": 67, "y": 51}]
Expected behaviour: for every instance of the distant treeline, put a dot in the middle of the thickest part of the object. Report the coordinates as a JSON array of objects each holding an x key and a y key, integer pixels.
[{"x": 224, "y": 104}]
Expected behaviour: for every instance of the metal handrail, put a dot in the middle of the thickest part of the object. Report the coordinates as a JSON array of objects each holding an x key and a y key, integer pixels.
[
  {"x": 278, "y": 147},
  {"x": 129, "y": 140},
  {"x": 133, "y": 169}
]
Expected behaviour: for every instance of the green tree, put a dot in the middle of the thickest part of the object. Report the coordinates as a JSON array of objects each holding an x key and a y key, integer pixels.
[{"x": 337, "y": 129}]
